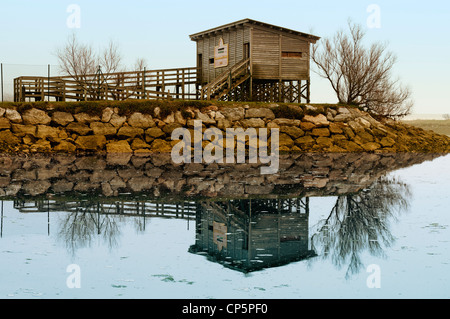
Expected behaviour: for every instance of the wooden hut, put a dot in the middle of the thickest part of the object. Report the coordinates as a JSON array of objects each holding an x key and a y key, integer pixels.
[
  {"x": 249, "y": 235},
  {"x": 252, "y": 60}
]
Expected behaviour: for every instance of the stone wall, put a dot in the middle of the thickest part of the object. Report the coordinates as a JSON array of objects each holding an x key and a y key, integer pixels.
[
  {"x": 316, "y": 129},
  {"x": 156, "y": 176}
]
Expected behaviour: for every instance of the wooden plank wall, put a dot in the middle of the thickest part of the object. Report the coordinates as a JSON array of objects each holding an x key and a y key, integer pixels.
[
  {"x": 235, "y": 39},
  {"x": 267, "y": 61}
]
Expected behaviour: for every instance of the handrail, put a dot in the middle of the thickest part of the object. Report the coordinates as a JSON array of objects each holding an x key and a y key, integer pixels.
[
  {"x": 225, "y": 75},
  {"x": 118, "y": 85},
  {"x": 221, "y": 80}
]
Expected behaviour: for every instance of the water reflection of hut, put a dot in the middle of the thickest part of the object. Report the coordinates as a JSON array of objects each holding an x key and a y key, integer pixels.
[{"x": 249, "y": 235}]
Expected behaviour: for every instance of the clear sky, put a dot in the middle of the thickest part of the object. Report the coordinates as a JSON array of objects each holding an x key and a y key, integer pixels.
[{"x": 416, "y": 31}]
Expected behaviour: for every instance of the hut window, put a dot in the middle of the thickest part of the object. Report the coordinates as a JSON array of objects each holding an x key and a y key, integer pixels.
[
  {"x": 286, "y": 54},
  {"x": 211, "y": 61}
]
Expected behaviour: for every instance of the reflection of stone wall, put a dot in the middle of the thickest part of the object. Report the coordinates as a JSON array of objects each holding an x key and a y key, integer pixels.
[
  {"x": 157, "y": 177},
  {"x": 302, "y": 129}
]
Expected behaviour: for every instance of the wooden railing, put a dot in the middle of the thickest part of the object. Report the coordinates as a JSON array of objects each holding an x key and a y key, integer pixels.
[
  {"x": 153, "y": 84},
  {"x": 225, "y": 82},
  {"x": 131, "y": 208}
]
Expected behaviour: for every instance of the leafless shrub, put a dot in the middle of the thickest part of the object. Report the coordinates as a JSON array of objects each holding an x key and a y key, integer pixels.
[
  {"x": 91, "y": 70},
  {"x": 361, "y": 76}
]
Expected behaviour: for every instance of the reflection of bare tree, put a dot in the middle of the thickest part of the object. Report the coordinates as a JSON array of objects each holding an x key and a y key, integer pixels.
[
  {"x": 80, "y": 228},
  {"x": 360, "y": 222}
]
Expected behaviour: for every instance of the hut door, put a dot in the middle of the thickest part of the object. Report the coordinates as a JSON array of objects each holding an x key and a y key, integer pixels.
[
  {"x": 200, "y": 67},
  {"x": 246, "y": 50}
]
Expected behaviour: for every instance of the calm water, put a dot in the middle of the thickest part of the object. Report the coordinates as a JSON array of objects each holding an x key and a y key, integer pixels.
[{"x": 320, "y": 231}]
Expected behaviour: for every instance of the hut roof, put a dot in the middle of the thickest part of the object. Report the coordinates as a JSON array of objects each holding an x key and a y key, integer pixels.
[{"x": 196, "y": 36}]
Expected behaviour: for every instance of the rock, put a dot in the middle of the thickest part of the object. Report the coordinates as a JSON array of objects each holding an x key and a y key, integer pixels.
[
  {"x": 320, "y": 132},
  {"x": 204, "y": 118},
  {"x": 305, "y": 141},
  {"x": 343, "y": 110},
  {"x": 169, "y": 119},
  {"x": 258, "y": 189},
  {"x": 363, "y": 122},
  {"x": 117, "y": 183},
  {"x": 355, "y": 126},
  {"x": 260, "y": 113},
  {"x": 168, "y": 128},
  {"x": 179, "y": 118},
  {"x": 223, "y": 124},
  {"x": 100, "y": 128},
  {"x": 78, "y": 128},
  {"x": 35, "y": 116},
  {"x": 117, "y": 120},
  {"x": 365, "y": 136},
  {"x": 62, "y": 186},
  {"x": 62, "y": 118},
  {"x": 65, "y": 147},
  {"x": 348, "y": 132},
  {"x": 13, "y": 116},
  {"x": 371, "y": 146},
  {"x": 118, "y": 147},
  {"x": 41, "y": 145},
  {"x": 140, "y": 120},
  {"x": 128, "y": 131},
  {"x": 292, "y": 131},
  {"x": 343, "y": 117},
  {"x": 161, "y": 146},
  {"x": 140, "y": 183},
  {"x": 387, "y": 142},
  {"x": 253, "y": 122},
  {"x": 139, "y": 144},
  {"x": 288, "y": 122},
  {"x": 154, "y": 132},
  {"x": 324, "y": 142},
  {"x": 4, "y": 123},
  {"x": 349, "y": 146},
  {"x": 307, "y": 126},
  {"x": 336, "y": 128},
  {"x": 107, "y": 114},
  {"x": 285, "y": 140},
  {"x": 233, "y": 113},
  {"x": 107, "y": 191},
  {"x": 35, "y": 188},
  {"x": 90, "y": 163},
  {"x": 316, "y": 183},
  {"x": 86, "y": 118},
  {"x": 44, "y": 131},
  {"x": 2, "y": 111},
  {"x": 7, "y": 137},
  {"x": 91, "y": 142},
  {"x": 219, "y": 116},
  {"x": 22, "y": 130},
  {"x": 318, "y": 120},
  {"x": 121, "y": 159}
]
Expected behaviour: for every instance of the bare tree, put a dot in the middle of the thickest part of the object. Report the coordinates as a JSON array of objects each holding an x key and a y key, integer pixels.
[
  {"x": 361, "y": 76},
  {"x": 77, "y": 60},
  {"x": 82, "y": 63},
  {"x": 140, "y": 64}
]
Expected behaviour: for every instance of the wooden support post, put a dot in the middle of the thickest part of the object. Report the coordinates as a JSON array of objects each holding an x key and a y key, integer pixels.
[
  {"x": 307, "y": 91},
  {"x": 250, "y": 97}
]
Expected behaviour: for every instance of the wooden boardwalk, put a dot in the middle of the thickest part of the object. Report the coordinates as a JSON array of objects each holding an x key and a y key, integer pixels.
[{"x": 152, "y": 84}]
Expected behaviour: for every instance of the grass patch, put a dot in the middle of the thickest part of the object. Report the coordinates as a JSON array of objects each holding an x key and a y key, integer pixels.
[{"x": 438, "y": 126}]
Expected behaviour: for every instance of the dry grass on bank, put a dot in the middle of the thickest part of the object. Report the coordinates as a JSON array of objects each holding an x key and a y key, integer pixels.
[{"x": 438, "y": 126}]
